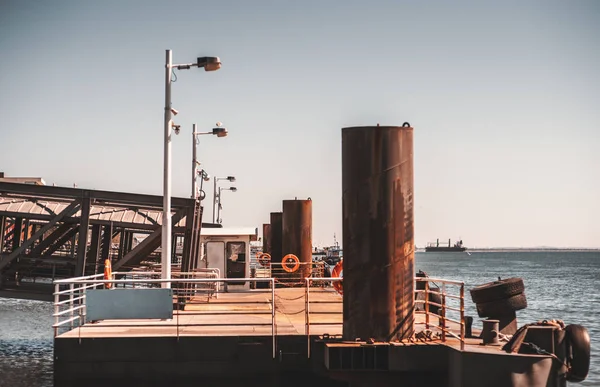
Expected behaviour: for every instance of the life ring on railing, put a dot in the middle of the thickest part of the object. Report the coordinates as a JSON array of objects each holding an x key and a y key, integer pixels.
[
  {"x": 108, "y": 273},
  {"x": 338, "y": 271},
  {"x": 290, "y": 263},
  {"x": 264, "y": 259}
]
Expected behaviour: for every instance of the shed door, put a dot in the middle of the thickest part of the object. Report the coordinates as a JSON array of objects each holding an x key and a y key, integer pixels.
[
  {"x": 236, "y": 259},
  {"x": 215, "y": 256}
]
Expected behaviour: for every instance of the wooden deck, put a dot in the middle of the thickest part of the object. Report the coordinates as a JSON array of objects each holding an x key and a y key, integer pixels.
[
  {"x": 249, "y": 313},
  {"x": 235, "y": 313}
]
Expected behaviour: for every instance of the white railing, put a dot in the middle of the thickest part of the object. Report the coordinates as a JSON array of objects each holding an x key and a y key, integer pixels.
[
  {"x": 70, "y": 301},
  {"x": 455, "y": 303},
  {"x": 308, "y": 302}
]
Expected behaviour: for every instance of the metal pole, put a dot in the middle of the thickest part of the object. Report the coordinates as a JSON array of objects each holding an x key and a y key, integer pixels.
[
  {"x": 194, "y": 161},
  {"x": 219, "y": 205},
  {"x": 165, "y": 253},
  {"x": 56, "y": 308},
  {"x": 214, "y": 197}
]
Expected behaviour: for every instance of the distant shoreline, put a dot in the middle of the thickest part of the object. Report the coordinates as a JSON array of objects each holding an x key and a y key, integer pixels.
[{"x": 523, "y": 249}]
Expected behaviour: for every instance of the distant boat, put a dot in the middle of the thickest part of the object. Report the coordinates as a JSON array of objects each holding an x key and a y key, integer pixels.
[
  {"x": 330, "y": 255},
  {"x": 435, "y": 247}
]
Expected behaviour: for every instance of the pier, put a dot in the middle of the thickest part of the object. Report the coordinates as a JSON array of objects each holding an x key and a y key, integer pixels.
[
  {"x": 225, "y": 334},
  {"x": 49, "y": 233}
]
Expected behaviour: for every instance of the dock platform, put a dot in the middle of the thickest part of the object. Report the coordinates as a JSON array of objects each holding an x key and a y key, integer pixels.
[
  {"x": 280, "y": 337},
  {"x": 235, "y": 313}
]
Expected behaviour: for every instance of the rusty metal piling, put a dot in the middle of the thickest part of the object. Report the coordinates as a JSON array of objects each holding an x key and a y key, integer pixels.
[
  {"x": 266, "y": 241},
  {"x": 377, "y": 199},
  {"x": 276, "y": 231},
  {"x": 297, "y": 234}
]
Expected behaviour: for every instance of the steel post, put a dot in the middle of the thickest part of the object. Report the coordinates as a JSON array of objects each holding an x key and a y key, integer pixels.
[
  {"x": 194, "y": 161},
  {"x": 214, "y": 198},
  {"x": 165, "y": 252},
  {"x": 377, "y": 200}
]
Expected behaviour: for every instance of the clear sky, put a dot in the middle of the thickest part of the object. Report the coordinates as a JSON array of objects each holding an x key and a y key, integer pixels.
[{"x": 504, "y": 98}]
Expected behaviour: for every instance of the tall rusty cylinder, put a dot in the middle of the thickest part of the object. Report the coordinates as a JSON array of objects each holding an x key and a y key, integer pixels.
[
  {"x": 276, "y": 231},
  {"x": 297, "y": 234},
  {"x": 266, "y": 241},
  {"x": 377, "y": 200}
]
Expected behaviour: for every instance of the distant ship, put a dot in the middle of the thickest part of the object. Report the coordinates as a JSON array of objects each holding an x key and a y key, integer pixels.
[
  {"x": 330, "y": 255},
  {"x": 435, "y": 247}
]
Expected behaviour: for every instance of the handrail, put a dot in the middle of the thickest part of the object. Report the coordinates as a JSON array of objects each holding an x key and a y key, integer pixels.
[
  {"x": 307, "y": 303},
  {"x": 70, "y": 300},
  {"x": 443, "y": 306},
  {"x": 71, "y": 308}
]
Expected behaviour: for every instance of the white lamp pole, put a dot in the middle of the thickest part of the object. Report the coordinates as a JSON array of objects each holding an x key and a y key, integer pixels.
[
  {"x": 165, "y": 252},
  {"x": 209, "y": 64}
]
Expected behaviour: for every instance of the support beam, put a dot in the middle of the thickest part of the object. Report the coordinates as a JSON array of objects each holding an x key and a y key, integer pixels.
[
  {"x": 107, "y": 238},
  {"x": 138, "y": 200},
  {"x": 94, "y": 249},
  {"x": 2, "y": 230},
  {"x": 186, "y": 258},
  {"x": 17, "y": 235},
  {"x": 69, "y": 210},
  {"x": 148, "y": 245},
  {"x": 50, "y": 239},
  {"x": 84, "y": 227},
  {"x": 60, "y": 242}
]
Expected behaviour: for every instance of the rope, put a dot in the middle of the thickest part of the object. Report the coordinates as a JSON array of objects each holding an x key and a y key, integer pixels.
[
  {"x": 541, "y": 351},
  {"x": 289, "y": 299},
  {"x": 289, "y": 313},
  {"x": 289, "y": 283}
]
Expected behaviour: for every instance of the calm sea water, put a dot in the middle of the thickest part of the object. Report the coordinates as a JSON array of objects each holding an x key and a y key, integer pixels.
[{"x": 558, "y": 285}]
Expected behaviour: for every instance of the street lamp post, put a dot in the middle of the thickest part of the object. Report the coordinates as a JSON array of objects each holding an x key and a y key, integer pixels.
[
  {"x": 209, "y": 64},
  {"x": 219, "y": 132},
  {"x": 232, "y": 189},
  {"x": 231, "y": 179}
]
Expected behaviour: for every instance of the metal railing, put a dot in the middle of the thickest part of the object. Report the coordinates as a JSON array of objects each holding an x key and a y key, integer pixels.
[
  {"x": 211, "y": 289},
  {"x": 276, "y": 270},
  {"x": 308, "y": 302},
  {"x": 452, "y": 303},
  {"x": 70, "y": 302},
  {"x": 190, "y": 288}
]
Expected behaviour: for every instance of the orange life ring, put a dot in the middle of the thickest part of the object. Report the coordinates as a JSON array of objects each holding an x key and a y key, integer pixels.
[
  {"x": 290, "y": 263},
  {"x": 108, "y": 273},
  {"x": 338, "y": 272},
  {"x": 264, "y": 259}
]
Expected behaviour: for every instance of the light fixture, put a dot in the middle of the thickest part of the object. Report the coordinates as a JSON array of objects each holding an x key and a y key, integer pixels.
[{"x": 210, "y": 63}]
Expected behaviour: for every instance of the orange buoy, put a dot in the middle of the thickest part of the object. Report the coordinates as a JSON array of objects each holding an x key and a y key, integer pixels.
[
  {"x": 107, "y": 273},
  {"x": 290, "y": 263},
  {"x": 338, "y": 271},
  {"x": 264, "y": 259}
]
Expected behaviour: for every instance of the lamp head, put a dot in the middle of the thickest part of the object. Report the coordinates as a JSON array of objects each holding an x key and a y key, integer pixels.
[
  {"x": 233, "y": 189},
  {"x": 210, "y": 63},
  {"x": 231, "y": 178},
  {"x": 220, "y": 132}
]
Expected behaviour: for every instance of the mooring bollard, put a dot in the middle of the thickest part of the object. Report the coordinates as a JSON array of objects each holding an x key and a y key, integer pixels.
[{"x": 490, "y": 332}]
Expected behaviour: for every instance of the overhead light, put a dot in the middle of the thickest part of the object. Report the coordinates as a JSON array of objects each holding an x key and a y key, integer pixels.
[
  {"x": 220, "y": 132},
  {"x": 210, "y": 63}
]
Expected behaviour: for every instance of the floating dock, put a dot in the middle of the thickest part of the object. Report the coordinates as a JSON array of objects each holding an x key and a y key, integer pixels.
[{"x": 268, "y": 337}]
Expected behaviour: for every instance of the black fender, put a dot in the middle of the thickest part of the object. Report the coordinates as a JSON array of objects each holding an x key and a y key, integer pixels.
[{"x": 578, "y": 352}]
